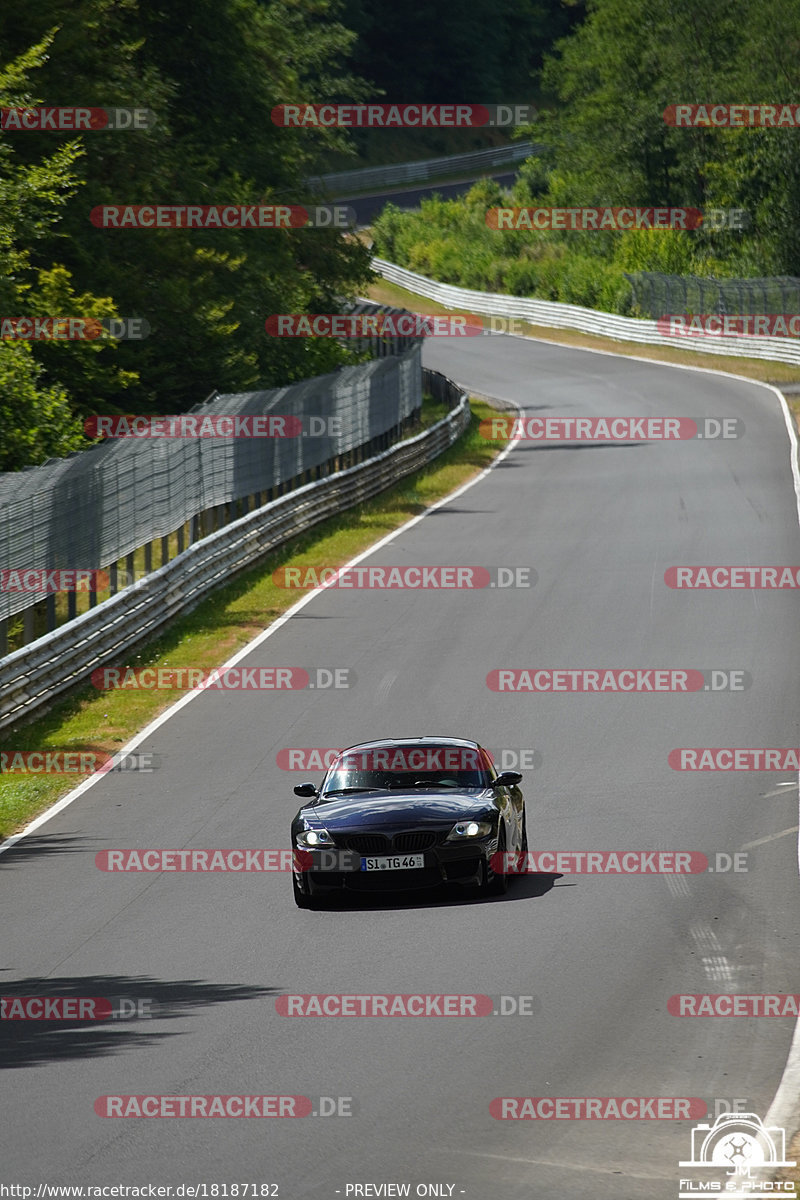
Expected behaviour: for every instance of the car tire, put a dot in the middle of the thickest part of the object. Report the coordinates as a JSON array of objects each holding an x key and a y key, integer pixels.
[{"x": 497, "y": 882}]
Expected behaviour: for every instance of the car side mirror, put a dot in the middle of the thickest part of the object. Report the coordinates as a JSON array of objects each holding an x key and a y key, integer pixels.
[
  {"x": 305, "y": 789},
  {"x": 506, "y": 779}
]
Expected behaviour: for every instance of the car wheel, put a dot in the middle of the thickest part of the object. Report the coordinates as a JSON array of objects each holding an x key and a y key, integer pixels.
[{"x": 497, "y": 881}]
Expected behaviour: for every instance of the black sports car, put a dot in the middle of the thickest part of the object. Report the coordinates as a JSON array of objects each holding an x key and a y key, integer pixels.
[{"x": 413, "y": 813}]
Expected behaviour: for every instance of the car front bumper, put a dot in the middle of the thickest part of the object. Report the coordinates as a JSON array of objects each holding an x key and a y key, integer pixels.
[{"x": 462, "y": 864}]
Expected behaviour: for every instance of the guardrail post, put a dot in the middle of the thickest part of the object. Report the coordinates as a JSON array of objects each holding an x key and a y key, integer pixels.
[
  {"x": 112, "y": 574},
  {"x": 148, "y": 558},
  {"x": 50, "y": 612},
  {"x": 129, "y": 571},
  {"x": 4, "y": 637},
  {"x": 165, "y": 550}
]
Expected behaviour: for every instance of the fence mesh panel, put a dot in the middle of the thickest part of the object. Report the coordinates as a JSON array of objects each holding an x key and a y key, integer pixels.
[
  {"x": 659, "y": 295},
  {"x": 94, "y": 507}
]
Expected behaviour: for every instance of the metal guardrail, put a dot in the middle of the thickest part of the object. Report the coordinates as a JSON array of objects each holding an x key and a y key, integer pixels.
[
  {"x": 587, "y": 320},
  {"x": 342, "y": 182},
  {"x": 34, "y": 675}
]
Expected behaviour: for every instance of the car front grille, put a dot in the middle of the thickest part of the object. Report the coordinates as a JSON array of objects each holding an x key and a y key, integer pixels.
[
  {"x": 409, "y": 843},
  {"x": 378, "y": 843},
  {"x": 368, "y": 843}
]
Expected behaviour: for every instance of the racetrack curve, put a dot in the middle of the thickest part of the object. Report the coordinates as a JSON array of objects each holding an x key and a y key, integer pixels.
[{"x": 601, "y": 955}]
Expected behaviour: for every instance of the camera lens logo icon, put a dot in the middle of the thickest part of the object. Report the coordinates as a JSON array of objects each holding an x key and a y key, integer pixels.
[{"x": 739, "y": 1142}]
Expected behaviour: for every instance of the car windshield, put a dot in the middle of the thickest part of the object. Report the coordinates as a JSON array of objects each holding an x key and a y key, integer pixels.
[{"x": 407, "y": 767}]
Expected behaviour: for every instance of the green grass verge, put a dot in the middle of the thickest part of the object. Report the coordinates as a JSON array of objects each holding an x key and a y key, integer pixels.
[{"x": 230, "y": 617}]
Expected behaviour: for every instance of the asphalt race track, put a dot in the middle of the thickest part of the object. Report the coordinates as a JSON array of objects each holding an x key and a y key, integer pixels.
[
  {"x": 367, "y": 208},
  {"x": 600, "y": 955}
]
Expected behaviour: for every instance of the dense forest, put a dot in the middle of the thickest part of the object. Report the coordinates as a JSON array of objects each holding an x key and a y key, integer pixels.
[
  {"x": 211, "y": 73},
  {"x": 601, "y": 73},
  {"x": 607, "y": 87}
]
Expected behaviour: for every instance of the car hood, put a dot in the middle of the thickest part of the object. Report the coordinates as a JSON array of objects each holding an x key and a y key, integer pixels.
[{"x": 386, "y": 811}]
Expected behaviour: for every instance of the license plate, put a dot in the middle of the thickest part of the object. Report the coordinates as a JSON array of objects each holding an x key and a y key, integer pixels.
[{"x": 393, "y": 862}]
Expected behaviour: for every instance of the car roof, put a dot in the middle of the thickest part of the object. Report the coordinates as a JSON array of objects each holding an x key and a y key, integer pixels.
[{"x": 424, "y": 740}]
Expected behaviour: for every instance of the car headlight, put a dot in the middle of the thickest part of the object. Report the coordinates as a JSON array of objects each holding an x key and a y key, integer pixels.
[
  {"x": 465, "y": 830},
  {"x": 312, "y": 839}
]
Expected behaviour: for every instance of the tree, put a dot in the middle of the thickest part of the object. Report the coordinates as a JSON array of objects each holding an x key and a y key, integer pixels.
[
  {"x": 36, "y": 413},
  {"x": 212, "y": 73}
]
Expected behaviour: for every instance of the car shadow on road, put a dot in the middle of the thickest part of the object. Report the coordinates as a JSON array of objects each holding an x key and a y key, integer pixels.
[
  {"x": 522, "y": 887},
  {"x": 32, "y": 1043}
]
